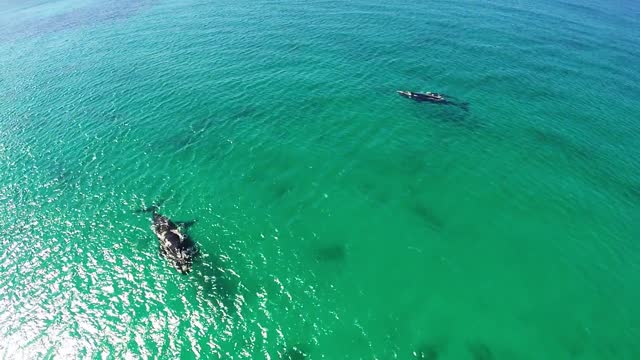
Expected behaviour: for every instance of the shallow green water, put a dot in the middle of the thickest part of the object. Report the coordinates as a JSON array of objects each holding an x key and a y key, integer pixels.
[{"x": 334, "y": 216}]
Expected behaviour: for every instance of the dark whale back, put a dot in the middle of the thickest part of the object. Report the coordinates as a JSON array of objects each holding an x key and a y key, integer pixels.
[
  {"x": 162, "y": 223},
  {"x": 174, "y": 245}
]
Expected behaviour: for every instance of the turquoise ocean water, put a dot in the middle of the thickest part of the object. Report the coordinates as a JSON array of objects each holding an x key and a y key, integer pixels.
[{"x": 336, "y": 220}]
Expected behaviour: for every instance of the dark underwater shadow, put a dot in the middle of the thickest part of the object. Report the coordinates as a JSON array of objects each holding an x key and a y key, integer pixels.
[
  {"x": 591, "y": 164},
  {"x": 429, "y": 351},
  {"x": 464, "y": 106},
  {"x": 480, "y": 351},
  {"x": 61, "y": 178},
  {"x": 560, "y": 143},
  {"x": 331, "y": 253},
  {"x": 246, "y": 111},
  {"x": 296, "y": 352},
  {"x": 280, "y": 189},
  {"x": 216, "y": 280},
  {"x": 373, "y": 192},
  {"x": 454, "y": 114},
  {"x": 427, "y": 216}
]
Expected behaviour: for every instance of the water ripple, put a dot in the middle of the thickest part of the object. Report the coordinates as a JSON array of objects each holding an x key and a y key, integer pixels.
[{"x": 335, "y": 219}]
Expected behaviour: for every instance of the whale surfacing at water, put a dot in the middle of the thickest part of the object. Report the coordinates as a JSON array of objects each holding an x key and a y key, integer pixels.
[{"x": 176, "y": 246}]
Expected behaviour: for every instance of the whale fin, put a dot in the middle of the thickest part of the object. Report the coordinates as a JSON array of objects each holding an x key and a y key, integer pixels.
[
  {"x": 153, "y": 208},
  {"x": 150, "y": 209},
  {"x": 186, "y": 224}
]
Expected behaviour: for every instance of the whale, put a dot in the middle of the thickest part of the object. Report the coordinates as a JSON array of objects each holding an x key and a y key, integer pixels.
[
  {"x": 173, "y": 243},
  {"x": 435, "y": 98}
]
